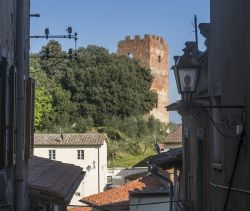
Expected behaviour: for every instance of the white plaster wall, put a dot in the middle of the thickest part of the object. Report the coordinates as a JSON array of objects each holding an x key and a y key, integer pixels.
[
  {"x": 147, "y": 200},
  {"x": 68, "y": 154},
  {"x": 103, "y": 166},
  {"x": 118, "y": 174}
]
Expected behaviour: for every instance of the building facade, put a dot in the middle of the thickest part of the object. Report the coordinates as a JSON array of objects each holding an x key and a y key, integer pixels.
[
  {"x": 15, "y": 110},
  {"x": 228, "y": 84},
  {"x": 215, "y": 135},
  {"x": 89, "y": 151},
  {"x": 152, "y": 52}
]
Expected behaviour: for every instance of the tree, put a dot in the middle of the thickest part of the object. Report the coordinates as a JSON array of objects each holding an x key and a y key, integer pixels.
[
  {"x": 43, "y": 109},
  {"x": 91, "y": 90},
  {"x": 105, "y": 85},
  {"x": 50, "y": 96}
]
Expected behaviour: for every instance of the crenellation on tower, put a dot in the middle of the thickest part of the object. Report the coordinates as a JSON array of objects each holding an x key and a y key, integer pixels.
[
  {"x": 152, "y": 52},
  {"x": 127, "y": 37},
  {"x": 137, "y": 37}
]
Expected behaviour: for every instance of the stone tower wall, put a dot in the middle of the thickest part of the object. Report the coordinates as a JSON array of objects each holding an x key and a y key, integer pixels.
[{"x": 152, "y": 52}]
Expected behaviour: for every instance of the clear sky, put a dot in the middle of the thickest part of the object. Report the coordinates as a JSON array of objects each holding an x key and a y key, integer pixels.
[{"x": 105, "y": 22}]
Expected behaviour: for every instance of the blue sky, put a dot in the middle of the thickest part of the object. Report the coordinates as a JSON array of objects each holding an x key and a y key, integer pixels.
[{"x": 105, "y": 22}]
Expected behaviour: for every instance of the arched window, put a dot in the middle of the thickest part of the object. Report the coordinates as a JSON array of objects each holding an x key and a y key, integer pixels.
[{"x": 159, "y": 59}]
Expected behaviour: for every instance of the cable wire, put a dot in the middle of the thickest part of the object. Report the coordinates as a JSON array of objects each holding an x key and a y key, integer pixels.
[
  {"x": 218, "y": 129},
  {"x": 234, "y": 169}
]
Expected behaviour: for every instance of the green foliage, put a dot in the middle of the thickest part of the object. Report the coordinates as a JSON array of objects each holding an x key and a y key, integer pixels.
[
  {"x": 91, "y": 90},
  {"x": 83, "y": 125},
  {"x": 98, "y": 91},
  {"x": 106, "y": 85},
  {"x": 43, "y": 108}
]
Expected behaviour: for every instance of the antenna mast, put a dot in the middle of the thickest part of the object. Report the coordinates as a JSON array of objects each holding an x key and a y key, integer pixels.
[{"x": 196, "y": 31}]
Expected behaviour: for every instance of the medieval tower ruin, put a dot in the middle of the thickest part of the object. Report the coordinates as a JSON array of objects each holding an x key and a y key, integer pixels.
[{"x": 152, "y": 52}]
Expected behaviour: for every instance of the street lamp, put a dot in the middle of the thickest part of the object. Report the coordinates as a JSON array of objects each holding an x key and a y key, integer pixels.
[{"x": 187, "y": 70}]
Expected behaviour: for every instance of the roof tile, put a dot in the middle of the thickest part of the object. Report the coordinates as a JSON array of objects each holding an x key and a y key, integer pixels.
[
  {"x": 53, "y": 177},
  {"x": 70, "y": 139},
  {"x": 119, "y": 196},
  {"x": 169, "y": 159},
  {"x": 175, "y": 136}
]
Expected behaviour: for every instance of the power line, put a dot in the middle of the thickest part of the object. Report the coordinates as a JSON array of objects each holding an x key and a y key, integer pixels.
[{"x": 234, "y": 169}]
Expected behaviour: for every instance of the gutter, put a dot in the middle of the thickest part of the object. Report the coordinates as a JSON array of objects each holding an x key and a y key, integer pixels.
[{"x": 155, "y": 170}]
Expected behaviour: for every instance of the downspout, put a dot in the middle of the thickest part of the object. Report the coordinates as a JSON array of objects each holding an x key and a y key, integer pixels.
[
  {"x": 98, "y": 170},
  {"x": 185, "y": 161},
  {"x": 20, "y": 180},
  {"x": 155, "y": 170}
]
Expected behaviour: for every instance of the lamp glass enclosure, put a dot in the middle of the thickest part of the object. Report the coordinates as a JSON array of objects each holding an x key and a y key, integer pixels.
[
  {"x": 176, "y": 79},
  {"x": 188, "y": 78}
]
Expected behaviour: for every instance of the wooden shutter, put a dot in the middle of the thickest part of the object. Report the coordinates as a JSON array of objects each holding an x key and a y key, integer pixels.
[
  {"x": 3, "y": 89},
  {"x": 12, "y": 116},
  {"x": 30, "y": 113}
]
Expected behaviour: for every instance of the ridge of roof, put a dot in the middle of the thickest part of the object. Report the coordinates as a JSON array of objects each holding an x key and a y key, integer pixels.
[{"x": 70, "y": 139}]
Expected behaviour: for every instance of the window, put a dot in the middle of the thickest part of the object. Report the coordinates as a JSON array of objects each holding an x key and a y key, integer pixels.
[
  {"x": 77, "y": 194},
  {"x": 159, "y": 59},
  {"x": 52, "y": 154},
  {"x": 109, "y": 179},
  {"x": 80, "y": 154},
  {"x": 130, "y": 55}
]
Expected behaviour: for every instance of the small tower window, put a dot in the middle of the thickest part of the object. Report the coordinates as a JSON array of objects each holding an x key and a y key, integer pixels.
[
  {"x": 159, "y": 59},
  {"x": 130, "y": 55}
]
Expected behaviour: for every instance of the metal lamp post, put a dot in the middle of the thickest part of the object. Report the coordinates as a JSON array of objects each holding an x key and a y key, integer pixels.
[{"x": 187, "y": 70}]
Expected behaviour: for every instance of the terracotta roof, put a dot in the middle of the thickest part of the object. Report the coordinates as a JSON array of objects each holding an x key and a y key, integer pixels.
[
  {"x": 166, "y": 160},
  {"x": 54, "y": 177},
  {"x": 175, "y": 137},
  {"x": 70, "y": 139},
  {"x": 118, "y": 198}
]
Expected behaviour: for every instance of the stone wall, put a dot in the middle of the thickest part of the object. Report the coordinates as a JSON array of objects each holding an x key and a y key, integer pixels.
[{"x": 152, "y": 52}]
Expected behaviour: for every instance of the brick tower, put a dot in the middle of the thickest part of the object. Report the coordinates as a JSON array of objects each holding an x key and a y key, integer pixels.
[{"x": 152, "y": 52}]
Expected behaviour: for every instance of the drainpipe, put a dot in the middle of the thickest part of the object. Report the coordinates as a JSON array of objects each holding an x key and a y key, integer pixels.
[
  {"x": 155, "y": 170},
  {"x": 98, "y": 170},
  {"x": 20, "y": 180}
]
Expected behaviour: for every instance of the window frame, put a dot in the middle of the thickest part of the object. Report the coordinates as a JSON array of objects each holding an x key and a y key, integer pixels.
[
  {"x": 80, "y": 154},
  {"x": 52, "y": 154}
]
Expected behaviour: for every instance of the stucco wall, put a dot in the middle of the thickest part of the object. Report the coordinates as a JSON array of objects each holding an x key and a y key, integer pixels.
[{"x": 68, "y": 154}]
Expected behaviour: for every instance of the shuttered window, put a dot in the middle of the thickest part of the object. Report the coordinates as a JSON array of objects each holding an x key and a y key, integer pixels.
[
  {"x": 3, "y": 88},
  {"x": 80, "y": 154},
  {"x": 52, "y": 154},
  {"x": 29, "y": 129}
]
